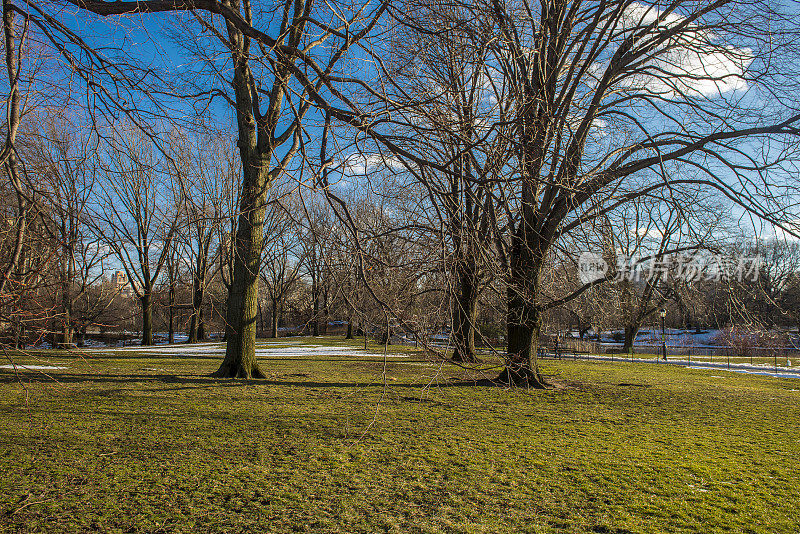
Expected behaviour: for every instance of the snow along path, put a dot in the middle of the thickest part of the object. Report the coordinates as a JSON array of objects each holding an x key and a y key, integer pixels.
[
  {"x": 757, "y": 369},
  {"x": 261, "y": 351},
  {"x": 19, "y": 366}
]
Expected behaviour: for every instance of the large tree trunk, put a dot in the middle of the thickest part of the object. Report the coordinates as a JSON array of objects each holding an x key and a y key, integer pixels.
[
  {"x": 196, "y": 330},
  {"x": 465, "y": 315},
  {"x": 315, "y": 313},
  {"x": 273, "y": 332},
  {"x": 147, "y": 318},
  {"x": 192, "y": 338},
  {"x": 323, "y": 327},
  {"x": 66, "y": 304},
  {"x": 256, "y": 148},
  {"x": 171, "y": 334},
  {"x": 524, "y": 319},
  {"x": 349, "y": 334},
  {"x": 524, "y": 325},
  {"x": 201, "y": 327},
  {"x": 630, "y": 336},
  {"x": 240, "y": 354}
]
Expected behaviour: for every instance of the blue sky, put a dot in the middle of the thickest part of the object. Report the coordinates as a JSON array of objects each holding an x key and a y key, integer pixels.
[{"x": 144, "y": 38}]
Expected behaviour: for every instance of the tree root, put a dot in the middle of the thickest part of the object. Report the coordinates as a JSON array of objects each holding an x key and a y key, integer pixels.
[
  {"x": 239, "y": 371},
  {"x": 522, "y": 377},
  {"x": 464, "y": 357}
]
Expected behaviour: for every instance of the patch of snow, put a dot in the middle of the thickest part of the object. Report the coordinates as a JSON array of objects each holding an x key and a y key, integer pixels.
[
  {"x": 199, "y": 348},
  {"x": 752, "y": 372},
  {"x": 33, "y": 367},
  {"x": 94, "y": 343},
  {"x": 759, "y": 369},
  {"x": 307, "y": 350},
  {"x": 674, "y": 337}
]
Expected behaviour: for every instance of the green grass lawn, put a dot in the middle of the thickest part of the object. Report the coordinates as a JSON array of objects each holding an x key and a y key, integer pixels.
[{"x": 142, "y": 442}]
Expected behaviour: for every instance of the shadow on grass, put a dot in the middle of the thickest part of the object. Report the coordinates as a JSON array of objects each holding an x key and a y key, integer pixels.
[
  {"x": 394, "y": 357},
  {"x": 199, "y": 381},
  {"x": 98, "y": 356}
]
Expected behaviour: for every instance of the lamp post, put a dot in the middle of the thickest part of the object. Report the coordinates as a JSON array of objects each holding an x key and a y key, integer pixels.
[{"x": 663, "y": 336}]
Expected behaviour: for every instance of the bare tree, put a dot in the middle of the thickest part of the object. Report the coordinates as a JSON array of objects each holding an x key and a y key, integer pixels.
[
  {"x": 65, "y": 167},
  {"x": 443, "y": 82},
  {"x": 205, "y": 183},
  {"x": 307, "y": 43},
  {"x": 8, "y": 156},
  {"x": 594, "y": 100},
  {"x": 597, "y": 98},
  {"x": 282, "y": 259},
  {"x": 317, "y": 226},
  {"x": 137, "y": 214},
  {"x": 173, "y": 265},
  {"x": 654, "y": 241}
]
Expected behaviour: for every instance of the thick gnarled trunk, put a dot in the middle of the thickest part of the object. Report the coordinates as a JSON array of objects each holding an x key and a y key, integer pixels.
[
  {"x": 147, "y": 318},
  {"x": 242, "y": 312},
  {"x": 196, "y": 327},
  {"x": 465, "y": 315},
  {"x": 349, "y": 334},
  {"x": 524, "y": 319},
  {"x": 65, "y": 341},
  {"x": 630, "y": 336},
  {"x": 523, "y": 329},
  {"x": 273, "y": 332}
]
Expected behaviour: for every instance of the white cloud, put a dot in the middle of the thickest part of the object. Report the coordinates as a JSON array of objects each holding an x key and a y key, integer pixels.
[
  {"x": 695, "y": 72},
  {"x": 638, "y": 14},
  {"x": 360, "y": 164},
  {"x": 652, "y": 233},
  {"x": 783, "y": 235},
  {"x": 694, "y": 63}
]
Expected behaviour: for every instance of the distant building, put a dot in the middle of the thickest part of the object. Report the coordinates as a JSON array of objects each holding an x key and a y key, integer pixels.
[
  {"x": 121, "y": 284},
  {"x": 119, "y": 280}
]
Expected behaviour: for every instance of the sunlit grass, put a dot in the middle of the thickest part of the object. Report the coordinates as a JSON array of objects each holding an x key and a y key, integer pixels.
[{"x": 142, "y": 442}]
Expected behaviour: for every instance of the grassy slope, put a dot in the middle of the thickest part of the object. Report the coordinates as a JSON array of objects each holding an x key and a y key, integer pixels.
[{"x": 139, "y": 442}]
